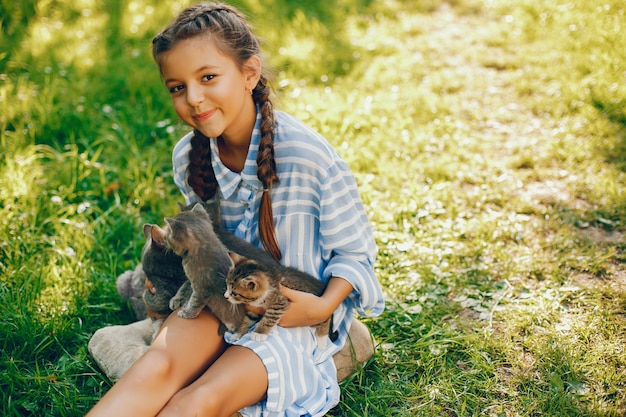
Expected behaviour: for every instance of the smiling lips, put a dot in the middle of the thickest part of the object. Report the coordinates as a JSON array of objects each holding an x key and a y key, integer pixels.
[{"x": 201, "y": 117}]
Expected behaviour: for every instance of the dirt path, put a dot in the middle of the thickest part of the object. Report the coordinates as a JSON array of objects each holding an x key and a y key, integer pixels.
[
  {"x": 472, "y": 66},
  {"x": 474, "y": 57}
]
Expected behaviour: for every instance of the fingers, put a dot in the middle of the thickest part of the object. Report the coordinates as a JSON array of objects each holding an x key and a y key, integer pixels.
[
  {"x": 291, "y": 294},
  {"x": 150, "y": 286},
  {"x": 256, "y": 310}
]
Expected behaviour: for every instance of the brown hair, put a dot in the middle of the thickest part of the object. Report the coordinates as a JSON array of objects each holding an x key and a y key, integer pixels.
[{"x": 228, "y": 28}]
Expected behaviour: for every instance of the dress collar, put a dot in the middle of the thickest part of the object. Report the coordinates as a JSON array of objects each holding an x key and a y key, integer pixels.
[{"x": 228, "y": 180}]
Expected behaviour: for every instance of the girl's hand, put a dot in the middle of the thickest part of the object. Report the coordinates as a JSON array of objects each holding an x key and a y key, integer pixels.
[
  {"x": 307, "y": 309},
  {"x": 304, "y": 309},
  {"x": 150, "y": 286},
  {"x": 256, "y": 310}
]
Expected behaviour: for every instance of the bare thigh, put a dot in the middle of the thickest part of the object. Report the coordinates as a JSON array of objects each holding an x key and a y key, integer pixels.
[
  {"x": 238, "y": 378},
  {"x": 190, "y": 345},
  {"x": 180, "y": 353}
]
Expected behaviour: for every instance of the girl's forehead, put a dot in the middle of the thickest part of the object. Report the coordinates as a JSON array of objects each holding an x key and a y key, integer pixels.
[{"x": 192, "y": 55}]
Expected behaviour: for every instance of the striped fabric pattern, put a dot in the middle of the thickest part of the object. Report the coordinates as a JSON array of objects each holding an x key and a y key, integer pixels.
[{"x": 322, "y": 228}]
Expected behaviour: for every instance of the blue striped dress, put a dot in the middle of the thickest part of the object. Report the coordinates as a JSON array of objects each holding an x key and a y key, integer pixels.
[{"x": 322, "y": 228}]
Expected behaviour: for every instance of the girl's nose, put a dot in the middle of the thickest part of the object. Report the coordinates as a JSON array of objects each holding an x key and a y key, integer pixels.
[{"x": 194, "y": 95}]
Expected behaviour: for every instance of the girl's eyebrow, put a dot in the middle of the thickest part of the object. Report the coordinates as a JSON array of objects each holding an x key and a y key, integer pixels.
[{"x": 201, "y": 69}]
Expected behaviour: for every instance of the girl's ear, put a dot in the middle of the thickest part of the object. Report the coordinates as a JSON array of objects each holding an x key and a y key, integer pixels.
[{"x": 252, "y": 72}]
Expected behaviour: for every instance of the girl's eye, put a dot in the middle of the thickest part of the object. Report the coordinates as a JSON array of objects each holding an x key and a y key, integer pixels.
[
  {"x": 208, "y": 77},
  {"x": 176, "y": 88}
]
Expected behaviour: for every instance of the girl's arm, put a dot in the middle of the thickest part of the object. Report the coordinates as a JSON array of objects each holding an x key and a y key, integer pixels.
[{"x": 307, "y": 309}]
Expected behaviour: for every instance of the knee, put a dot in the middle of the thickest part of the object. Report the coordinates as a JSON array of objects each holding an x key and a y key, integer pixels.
[
  {"x": 196, "y": 401},
  {"x": 209, "y": 402},
  {"x": 160, "y": 363}
]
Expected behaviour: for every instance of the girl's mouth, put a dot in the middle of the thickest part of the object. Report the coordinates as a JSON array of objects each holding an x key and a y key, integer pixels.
[{"x": 201, "y": 117}]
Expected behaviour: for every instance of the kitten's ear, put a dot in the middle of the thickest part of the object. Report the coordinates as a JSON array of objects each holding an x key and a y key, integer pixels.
[
  {"x": 170, "y": 221},
  {"x": 199, "y": 209},
  {"x": 181, "y": 206},
  {"x": 147, "y": 230},
  {"x": 236, "y": 258},
  {"x": 250, "y": 284},
  {"x": 158, "y": 236}
]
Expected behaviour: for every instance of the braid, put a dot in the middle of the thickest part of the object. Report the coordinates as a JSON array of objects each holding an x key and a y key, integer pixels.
[
  {"x": 266, "y": 171},
  {"x": 227, "y": 27},
  {"x": 200, "y": 174}
]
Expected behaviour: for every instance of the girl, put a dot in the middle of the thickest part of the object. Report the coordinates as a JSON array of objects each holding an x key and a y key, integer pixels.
[{"x": 281, "y": 186}]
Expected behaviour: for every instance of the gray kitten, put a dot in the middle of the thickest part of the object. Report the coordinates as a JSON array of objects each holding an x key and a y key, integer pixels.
[
  {"x": 206, "y": 262},
  {"x": 232, "y": 243},
  {"x": 163, "y": 268},
  {"x": 251, "y": 283}
]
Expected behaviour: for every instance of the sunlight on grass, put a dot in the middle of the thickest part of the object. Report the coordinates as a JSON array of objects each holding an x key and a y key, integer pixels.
[
  {"x": 140, "y": 16},
  {"x": 302, "y": 51},
  {"x": 135, "y": 21},
  {"x": 17, "y": 176},
  {"x": 56, "y": 257},
  {"x": 76, "y": 40},
  {"x": 23, "y": 105}
]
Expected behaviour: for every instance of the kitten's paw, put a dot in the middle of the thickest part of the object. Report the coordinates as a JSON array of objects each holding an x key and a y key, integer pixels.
[
  {"x": 176, "y": 302},
  {"x": 258, "y": 337},
  {"x": 188, "y": 314}
]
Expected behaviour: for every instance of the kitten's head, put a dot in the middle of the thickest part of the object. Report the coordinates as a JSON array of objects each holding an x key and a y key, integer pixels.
[
  {"x": 246, "y": 282},
  {"x": 184, "y": 230},
  {"x": 211, "y": 206},
  {"x": 155, "y": 256}
]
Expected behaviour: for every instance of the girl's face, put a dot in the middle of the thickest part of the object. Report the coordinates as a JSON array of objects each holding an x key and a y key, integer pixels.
[{"x": 209, "y": 90}]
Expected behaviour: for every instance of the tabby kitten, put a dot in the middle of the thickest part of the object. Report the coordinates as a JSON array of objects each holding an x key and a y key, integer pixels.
[
  {"x": 258, "y": 285},
  {"x": 206, "y": 262}
]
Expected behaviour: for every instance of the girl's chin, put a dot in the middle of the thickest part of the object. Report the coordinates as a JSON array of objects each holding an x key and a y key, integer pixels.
[
  {"x": 208, "y": 128},
  {"x": 209, "y": 133}
]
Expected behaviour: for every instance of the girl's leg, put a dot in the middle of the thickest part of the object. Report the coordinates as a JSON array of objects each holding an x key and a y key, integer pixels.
[
  {"x": 181, "y": 351},
  {"x": 235, "y": 380}
]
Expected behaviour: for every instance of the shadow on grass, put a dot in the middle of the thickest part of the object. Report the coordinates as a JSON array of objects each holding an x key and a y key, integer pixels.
[
  {"x": 615, "y": 112},
  {"x": 14, "y": 22}
]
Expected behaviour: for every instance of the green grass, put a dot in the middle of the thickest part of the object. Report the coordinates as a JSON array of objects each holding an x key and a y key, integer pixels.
[{"x": 489, "y": 143}]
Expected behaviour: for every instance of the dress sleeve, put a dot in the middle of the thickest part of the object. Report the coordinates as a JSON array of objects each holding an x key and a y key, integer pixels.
[{"x": 347, "y": 239}]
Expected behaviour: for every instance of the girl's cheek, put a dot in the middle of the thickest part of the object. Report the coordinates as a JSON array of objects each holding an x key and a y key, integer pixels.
[
  {"x": 179, "y": 104},
  {"x": 180, "y": 111}
]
